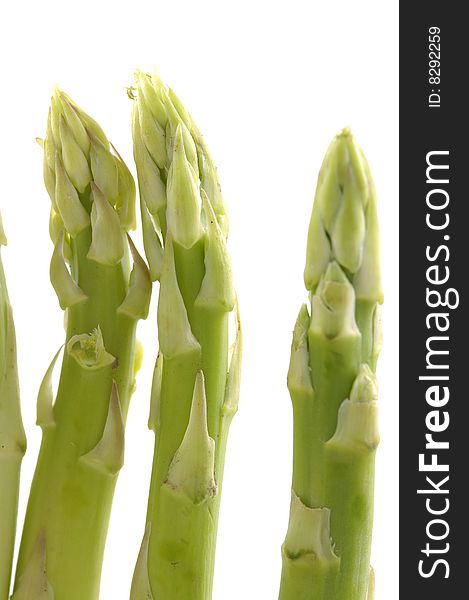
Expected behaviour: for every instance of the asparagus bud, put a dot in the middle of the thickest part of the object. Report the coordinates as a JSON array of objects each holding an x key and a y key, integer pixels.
[
  {"x": 332, "y": 385},
  {"x": 193, "y": 397},
  {"x": 343, "y": 223},
  {"x": 92, "y": 208},
  {"x": 344, "y": 228}
]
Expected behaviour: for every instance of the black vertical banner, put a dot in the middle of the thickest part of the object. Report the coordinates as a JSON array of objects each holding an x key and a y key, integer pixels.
[{"x": 434, "y": 324}]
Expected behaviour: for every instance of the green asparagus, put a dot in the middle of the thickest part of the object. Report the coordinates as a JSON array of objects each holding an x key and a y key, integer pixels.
[
  {"x": 326, "y": 553},
  {"x": 12, "y": 437},
  {"x": 92, "y": 195},
  {"x": 194, "y": 395}
]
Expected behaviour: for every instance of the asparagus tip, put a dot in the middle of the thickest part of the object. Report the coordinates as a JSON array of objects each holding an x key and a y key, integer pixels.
[{"x": 343, "y": 224}]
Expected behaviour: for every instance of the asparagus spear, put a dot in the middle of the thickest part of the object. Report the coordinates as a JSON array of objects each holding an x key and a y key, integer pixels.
[
  {"x": 326, "y": 553},
  {"x": 92, "y": 194},
  {"x": 193, "y": 398},
  {"x": 12, "y": 437}
]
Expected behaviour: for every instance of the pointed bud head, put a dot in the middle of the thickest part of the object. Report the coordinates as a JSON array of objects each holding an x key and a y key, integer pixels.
[
  {"x": 343, "y": 224},
  {"x": 77, "y": 154}
]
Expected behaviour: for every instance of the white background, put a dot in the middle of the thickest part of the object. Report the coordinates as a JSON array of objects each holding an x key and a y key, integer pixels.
[{"x": 269, "y": 84}]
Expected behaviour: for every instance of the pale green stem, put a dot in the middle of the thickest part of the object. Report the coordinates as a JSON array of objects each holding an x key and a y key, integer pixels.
[
  {"x": 335, "y": 432},
  {"x": 12, "y": 437},
  {"x": 82, "y": 450},
  {"x": 67, "y": 495},
  {"x": 183, "y": 562},
  {"x": 352, "y": 518},
  {"x": 334, "y": 365}
]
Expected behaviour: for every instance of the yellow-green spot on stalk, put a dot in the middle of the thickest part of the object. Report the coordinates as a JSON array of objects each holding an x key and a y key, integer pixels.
[
  {"x": 195, "y": 391},
  {"x": 336, "y": 342},
  {"x": 12, "y": 437},
  {"x": 92, "y": 208}
]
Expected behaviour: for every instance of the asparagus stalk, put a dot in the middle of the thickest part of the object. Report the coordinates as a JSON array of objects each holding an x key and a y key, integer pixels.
[
  {"x": 12, "y": 437},
  {"x": 92, "y": 194},
  {"x": 326, "y": 553},
  {"x": 193, "y": 400}
]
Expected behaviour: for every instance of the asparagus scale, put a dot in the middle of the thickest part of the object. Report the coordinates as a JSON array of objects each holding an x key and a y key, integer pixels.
[
  {"x": 336, "y": 342},
  {"x": 194, "y": 393},
  {"x": 12, "y": 436},
  {"x": 92, "y": 209}
]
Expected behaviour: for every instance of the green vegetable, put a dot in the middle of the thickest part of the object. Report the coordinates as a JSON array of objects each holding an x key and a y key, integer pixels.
[
  {"x": 193, "y": 397},
  {"x": 92, "y": 194},
  {"x": 326, "y": 553},
  {"x": 12, "y": 438}
]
